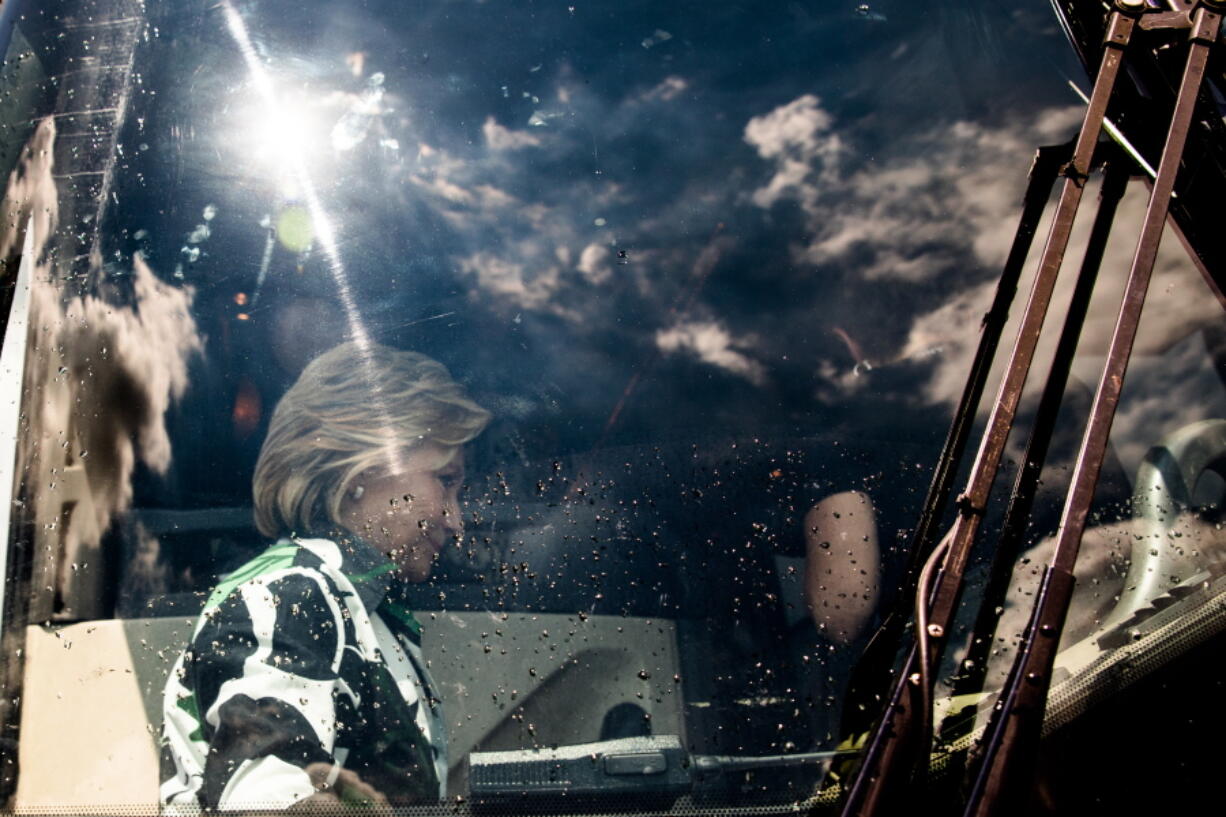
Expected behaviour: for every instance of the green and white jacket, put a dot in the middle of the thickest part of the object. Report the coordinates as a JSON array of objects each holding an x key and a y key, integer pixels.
[{"x": 301, "y": 656}]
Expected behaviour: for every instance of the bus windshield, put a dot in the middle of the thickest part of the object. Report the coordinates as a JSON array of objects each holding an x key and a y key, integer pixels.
[{"x": 471, "y": 402}]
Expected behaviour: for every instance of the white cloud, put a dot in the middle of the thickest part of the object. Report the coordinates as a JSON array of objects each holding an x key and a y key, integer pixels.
[
  {"x": 1179, "y": 304},
  {"x": 30, "y": 192},
  {"x": 544, "y": 258},
  {"x": 99, "y": 376},
  {"x": 444, "y": 189},
  {"x": 797, "y": 137},
  {"x": 499, "y": 137},
  {"x": 120, "y": 369},
  {"x": 948, "y": 192},
  {"x": 797, "y": 127},
  {"x": 941, "y": 210},
  {"x": 658, "y": 36},
  {"x": 1162, "y": 394},
  {"x": 667, "y": 90},
  {"x": 513, "y": 282},
  {"x": 715, "y": 345},
  {"x": 493, "y": 198},
  {"x": 594, "y": 263}
]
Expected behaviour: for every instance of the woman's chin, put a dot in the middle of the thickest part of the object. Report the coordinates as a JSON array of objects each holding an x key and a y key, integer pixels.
[{"x": 417, "y": 569}]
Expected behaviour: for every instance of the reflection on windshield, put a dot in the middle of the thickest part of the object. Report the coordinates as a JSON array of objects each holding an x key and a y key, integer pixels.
[{"x": 716, "y": 277}]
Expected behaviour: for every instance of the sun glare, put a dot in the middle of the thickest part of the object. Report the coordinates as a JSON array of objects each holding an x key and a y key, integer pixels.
[{"x": 284, "y": 127}]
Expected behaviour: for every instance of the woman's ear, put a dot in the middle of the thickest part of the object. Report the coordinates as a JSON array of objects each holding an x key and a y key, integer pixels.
[{"x": 345, "y": 508}]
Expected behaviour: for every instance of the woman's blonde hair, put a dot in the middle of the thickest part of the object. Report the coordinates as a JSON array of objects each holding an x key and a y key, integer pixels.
[{"x": 352, "y": 410}]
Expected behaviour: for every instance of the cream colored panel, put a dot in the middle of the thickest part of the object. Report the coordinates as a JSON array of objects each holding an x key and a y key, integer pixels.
[{"x": 85, "y": 737}]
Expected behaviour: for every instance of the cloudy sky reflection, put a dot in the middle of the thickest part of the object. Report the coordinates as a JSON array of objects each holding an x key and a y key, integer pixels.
[{"x": 620, "y": 222}]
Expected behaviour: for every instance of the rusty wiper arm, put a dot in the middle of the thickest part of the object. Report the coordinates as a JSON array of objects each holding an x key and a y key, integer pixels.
[
  {"x": 871, "y": 678},
  {"x": 900, "y": 740},
  {"x": 1011, "y": 742},
  {"x": 1025, "y": 485}
]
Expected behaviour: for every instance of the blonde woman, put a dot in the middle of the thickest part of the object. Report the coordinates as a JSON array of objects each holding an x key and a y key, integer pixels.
[{"x": 304, "y": 683}]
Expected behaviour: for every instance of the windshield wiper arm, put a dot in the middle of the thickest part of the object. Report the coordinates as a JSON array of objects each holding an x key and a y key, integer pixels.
[
  {"x": 871, "y": 677},
  {"x": 1025, "y": 485},
  {"x": 900, "y": 740},
  {"x": 1013, "y": 732}
]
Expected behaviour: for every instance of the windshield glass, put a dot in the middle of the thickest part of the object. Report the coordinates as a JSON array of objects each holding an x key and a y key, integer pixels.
[{"x": 423, "y": 383}]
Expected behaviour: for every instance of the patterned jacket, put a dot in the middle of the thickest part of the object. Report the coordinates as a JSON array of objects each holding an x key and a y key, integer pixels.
[{"x": 301, "y": 656}]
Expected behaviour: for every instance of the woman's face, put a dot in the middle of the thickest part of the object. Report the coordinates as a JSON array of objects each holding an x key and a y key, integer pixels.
[{"x": 410, "y": 515}]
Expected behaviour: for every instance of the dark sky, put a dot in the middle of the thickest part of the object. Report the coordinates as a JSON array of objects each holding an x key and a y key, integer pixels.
[{"x": 620, "y": 223}]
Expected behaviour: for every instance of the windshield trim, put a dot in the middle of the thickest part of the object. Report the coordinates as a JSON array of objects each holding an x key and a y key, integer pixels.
[{"x": 12, "y": 373}]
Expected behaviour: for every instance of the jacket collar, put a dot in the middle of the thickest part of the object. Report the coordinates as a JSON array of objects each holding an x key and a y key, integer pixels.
[
  {"x": 371, "y": 573},
  {"x": 366, "y": 567}
]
